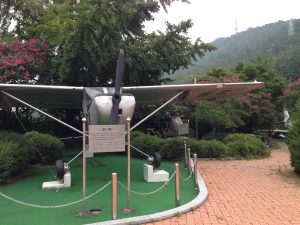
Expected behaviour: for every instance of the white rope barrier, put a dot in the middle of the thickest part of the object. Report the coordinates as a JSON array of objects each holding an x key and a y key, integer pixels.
[
  {"x": 148, "y": 193},
  {"x": 188, "y": 177},
  {"x": 86, "y": 147},
  {"x": 54, "y": 206}
]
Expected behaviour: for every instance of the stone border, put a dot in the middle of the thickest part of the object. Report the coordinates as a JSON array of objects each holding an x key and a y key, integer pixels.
[{"x": 195, "y": 203}]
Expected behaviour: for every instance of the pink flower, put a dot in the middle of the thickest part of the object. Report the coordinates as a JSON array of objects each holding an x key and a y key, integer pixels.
[
  {"x": 19, "y": 61},
  {"x": 5, "y": 63}
]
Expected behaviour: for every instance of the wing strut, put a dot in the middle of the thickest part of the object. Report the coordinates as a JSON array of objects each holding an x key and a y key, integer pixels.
[
  {"x": 159, "y": 108},
  {"x": 42, "y": 112}
]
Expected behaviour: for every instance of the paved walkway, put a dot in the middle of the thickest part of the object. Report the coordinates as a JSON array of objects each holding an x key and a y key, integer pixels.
[{"x": 247, "y": 192}]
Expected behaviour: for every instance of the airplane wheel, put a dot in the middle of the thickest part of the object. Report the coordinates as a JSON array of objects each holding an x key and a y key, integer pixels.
[
  {"x": 156, "y": 160},
  {"x": 60, "y": 169}
]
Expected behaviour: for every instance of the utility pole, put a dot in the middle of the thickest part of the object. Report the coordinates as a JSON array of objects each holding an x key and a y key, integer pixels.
[
  {"x": 291, "y": 31},
  {"x": 235, "y": 27}
]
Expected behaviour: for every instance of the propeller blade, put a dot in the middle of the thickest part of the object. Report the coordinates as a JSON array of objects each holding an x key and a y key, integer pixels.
[{"x": 116, "y": 98}]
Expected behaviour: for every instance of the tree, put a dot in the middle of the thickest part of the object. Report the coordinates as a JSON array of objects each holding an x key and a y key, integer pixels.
[
  {"x": 291, "y": 96},
  {"x": 293, "y": 140},
  {"x": 87, "y": 35},
  {"x": 221, "y": 115},
  {"x": 262, "y": 113},
  {"x": 21, "y": 12},
  {"x": 261, "y": 70}
]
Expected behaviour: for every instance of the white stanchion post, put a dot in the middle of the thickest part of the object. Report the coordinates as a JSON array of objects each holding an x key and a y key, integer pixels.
[
  {"x": 189, "y": 160},
  {"x": 195, "y": 171},
  {"x": 177, "y": 185},
  {"x": 83, "y": 161},
  {"x": 185, "y": 155},
  {"x": 114, "y": 178}
]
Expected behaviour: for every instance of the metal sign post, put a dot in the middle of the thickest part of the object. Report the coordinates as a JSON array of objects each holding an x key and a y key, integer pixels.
[
  {"x": 185, "y": 155},
  {"x": 128, "y": 209},
  {"x": 177, "y": 185},
  {"x": 83, "y": 161},
  {"x": 195, "y": 172},
  {"x": 114, "y": 195}
]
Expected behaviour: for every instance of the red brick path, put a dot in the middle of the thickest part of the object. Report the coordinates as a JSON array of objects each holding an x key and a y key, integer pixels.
[{"x": 247, "y": 192}]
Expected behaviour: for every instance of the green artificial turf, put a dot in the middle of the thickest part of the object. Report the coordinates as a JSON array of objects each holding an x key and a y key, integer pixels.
[{"x": 99, "y": 170}]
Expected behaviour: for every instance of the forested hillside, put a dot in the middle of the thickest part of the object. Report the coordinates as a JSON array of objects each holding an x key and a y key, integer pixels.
[{"x": 270, "y": 42}]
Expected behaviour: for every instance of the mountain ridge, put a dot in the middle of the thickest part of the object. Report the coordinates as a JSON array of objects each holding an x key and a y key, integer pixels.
[{"x": 270, "y": 42}]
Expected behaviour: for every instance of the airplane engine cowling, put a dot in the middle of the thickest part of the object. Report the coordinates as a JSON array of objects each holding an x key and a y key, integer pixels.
[{"x": 104, "y": 106}]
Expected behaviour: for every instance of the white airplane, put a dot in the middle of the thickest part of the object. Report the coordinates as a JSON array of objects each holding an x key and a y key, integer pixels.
[
  {"x": 287, "y": 124},
  {"x": 107, "y": 105}
]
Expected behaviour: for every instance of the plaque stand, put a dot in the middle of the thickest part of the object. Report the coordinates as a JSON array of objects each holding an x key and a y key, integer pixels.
[{"x": 128, "y": 209}]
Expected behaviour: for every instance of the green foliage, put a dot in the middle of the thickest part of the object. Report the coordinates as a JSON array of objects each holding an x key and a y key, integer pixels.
[
  {"x": 7, "y": 162},
  {"x": 221, "y": 114},
  {"x": 291, "y": 97},
  {"x": 261, "y": 70},
  {"x": 86, "y": 36},
  {"x": 18, "y": 151},
  {"x": 44, "y": 147},
  {"x": 267, "y": 42},
  {"x": 168, "y": 148},
  {"x": 236, "y": 145},
  {"x": 262, "y": 113},
  {"x": 146, "y": 143},
  {"x": 207, "y": 148},
  {"x": 245, "y": 146},
  {"x": 293, "y": 140},
  {"x": 173, "y": 148},
  {"x": 14, "y": 155}
]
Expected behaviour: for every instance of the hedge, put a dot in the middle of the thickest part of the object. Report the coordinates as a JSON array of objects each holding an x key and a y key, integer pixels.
[
  {"x": 11, "y": 163},
  {"x": 18, "y": 151},
  {"x": 233, "y": 146},
  {"x": 45, "y": 147},
  {"x": 245, "y": 146},
  {"x": 293, "y": 140}
]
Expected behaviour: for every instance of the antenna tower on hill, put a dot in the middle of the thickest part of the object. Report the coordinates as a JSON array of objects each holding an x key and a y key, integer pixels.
[
  {"x": 291, "y": 31},
  {"x": 235, "y": 27}
]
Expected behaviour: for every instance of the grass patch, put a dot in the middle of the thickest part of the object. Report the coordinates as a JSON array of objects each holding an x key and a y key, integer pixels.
[{"x": 99, "y": 171}]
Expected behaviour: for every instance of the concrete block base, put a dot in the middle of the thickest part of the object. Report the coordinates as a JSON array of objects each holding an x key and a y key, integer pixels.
[
  {"x": 151, "y": 175},
  {"x": 65, "y": 183}
]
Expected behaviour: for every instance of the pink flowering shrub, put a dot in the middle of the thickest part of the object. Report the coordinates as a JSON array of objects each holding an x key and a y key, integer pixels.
[
  {"x": 291, "y": 87},
  {"x": 20, "y": 61}
]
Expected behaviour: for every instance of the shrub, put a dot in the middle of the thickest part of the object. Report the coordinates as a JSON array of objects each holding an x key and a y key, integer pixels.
[
  {"x": 17, "y": 151},
  {"x": 173, "y": 148},
  {"x": 44, "y": 147},
  {"x": 293, "y": 140},
  {"x": 145, "y": 143},
  {"x": 21, "y": 150},
  {"x": 237, "y": 149},
  {"x": 245, "y": 146},
  {"x": 207, "y": 148},
  {"x": 234, "y": 145},
  {"x": 12, "y": 161}
]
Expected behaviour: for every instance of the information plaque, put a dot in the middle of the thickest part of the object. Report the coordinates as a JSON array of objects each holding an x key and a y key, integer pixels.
[{"x": 106, "y": 138}]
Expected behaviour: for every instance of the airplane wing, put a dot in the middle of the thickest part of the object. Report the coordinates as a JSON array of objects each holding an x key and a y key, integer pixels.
[
  {"x": 280, "y": 131},
  {"x": 194, "y": 92},
  {"x": 44, "y": 96},
  {"x": 71, "y": 97}
]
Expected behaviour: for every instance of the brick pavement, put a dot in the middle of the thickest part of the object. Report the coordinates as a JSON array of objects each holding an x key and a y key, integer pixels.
[{"x": 241, "y": 192}]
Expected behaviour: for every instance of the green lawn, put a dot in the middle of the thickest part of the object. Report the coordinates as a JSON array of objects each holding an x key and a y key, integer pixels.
[{"x": 99, "y": 169}]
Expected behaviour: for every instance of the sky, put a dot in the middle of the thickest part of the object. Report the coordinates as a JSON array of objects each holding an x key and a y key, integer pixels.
[{"x": 217, "y": 18}]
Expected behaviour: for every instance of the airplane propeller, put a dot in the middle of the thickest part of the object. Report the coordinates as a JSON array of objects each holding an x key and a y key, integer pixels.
[{"x": 116, "y": 98}]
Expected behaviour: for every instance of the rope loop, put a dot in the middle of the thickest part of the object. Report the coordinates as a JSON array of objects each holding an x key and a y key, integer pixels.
[
  {"x": 148, "y": 193},
  {"x": 53, "y": 206}
]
